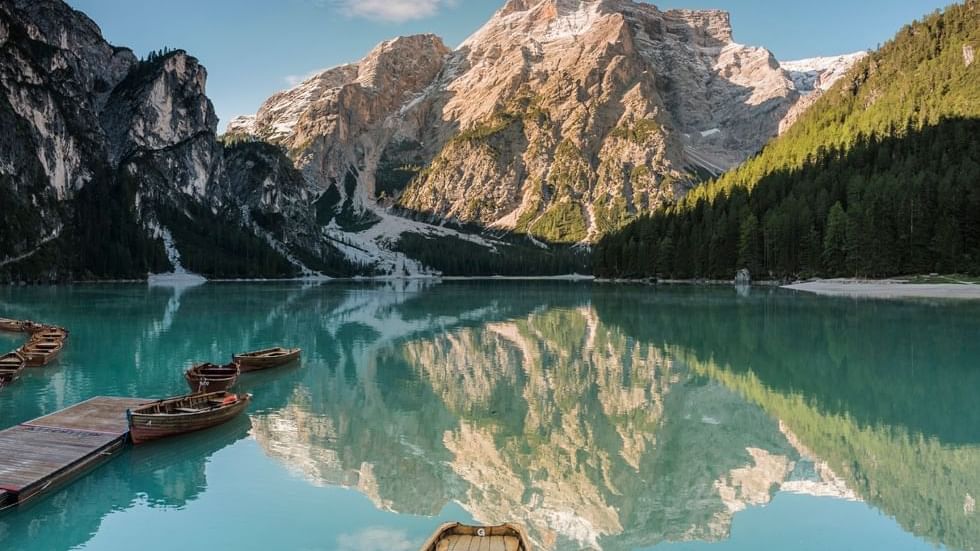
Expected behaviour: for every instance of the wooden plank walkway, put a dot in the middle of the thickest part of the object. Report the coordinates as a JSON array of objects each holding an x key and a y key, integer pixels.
[{"x": 49, "y": 451}]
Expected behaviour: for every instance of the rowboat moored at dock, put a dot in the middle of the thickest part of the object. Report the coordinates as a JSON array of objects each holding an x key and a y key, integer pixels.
[
  {"x": 50, "y": 333},
  {"x": 209, "y": 377},
  {"x": 184, "y": 414},
  {"x": 11, "y": 366},
  {"x": 14, "y": 326},
  {"x": 265, "y": 359},
  {"x": 40, "y": 353}
]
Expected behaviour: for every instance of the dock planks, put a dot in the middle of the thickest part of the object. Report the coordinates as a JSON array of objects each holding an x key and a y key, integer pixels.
[{"x": 51, "y": 450}]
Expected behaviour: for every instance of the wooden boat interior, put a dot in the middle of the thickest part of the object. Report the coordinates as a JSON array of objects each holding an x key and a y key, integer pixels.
[
  {"x": 459, "y": 537},
  {"x": 189, "y": 404}
]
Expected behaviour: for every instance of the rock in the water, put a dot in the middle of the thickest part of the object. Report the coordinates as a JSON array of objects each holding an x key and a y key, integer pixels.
[{"x": 743, "y": 277}]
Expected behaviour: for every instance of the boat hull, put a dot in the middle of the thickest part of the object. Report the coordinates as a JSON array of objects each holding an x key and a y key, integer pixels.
[
  {"x": 13, "y": 326},
  {"x": 39, "y": 356},
  {"x": 202, "y": 379},
  {"x": 247, "y": 362},
  {"x": 11, "y": 366},
  {"x": 50, "y": 335},
  {"x": 145, "y": 428}
]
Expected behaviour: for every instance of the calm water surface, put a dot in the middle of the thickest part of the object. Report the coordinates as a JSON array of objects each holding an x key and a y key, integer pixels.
[{"x": 601, "y": 417}]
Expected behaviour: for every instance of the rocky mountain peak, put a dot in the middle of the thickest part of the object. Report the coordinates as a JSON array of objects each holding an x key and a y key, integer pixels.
[
  {"x": 705, "y": 27},
  {"x": 558, "y": 118},
  {"x": 74, "y": 41},
  {"x": 160, "y": 104},
  {"x": 406, "y": 62},
  {"x": 563, "y": 18},
  {"x": 392, "y": 72}
]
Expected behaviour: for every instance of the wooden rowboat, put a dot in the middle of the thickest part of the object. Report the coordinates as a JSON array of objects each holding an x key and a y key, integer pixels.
[
  {"x": 453, "y": 536},
  {"x": 40, "y": 353},
  {"x": 264, "y": 359},
  {"x": 205, "y": 378},
  {"x": 10, "y": 367},
  {"x": 184, "y": 414},
  {"x": 15, "y": 326},
  {"x": 32, "y": 326},
  {"x": 50, "y": 333}
]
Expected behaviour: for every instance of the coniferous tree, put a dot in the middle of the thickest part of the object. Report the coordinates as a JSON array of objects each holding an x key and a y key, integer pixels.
[
  {"x": 749, "y": 255},
  {"x": 880, "y": 177},
  {"x": 835, "y": 241}
]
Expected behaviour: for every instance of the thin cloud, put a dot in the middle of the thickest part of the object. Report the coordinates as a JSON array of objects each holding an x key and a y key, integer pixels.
[
  {"x": 376, "y": 539},
  {"x": 392, "y": 11},
  {"x": 293, "y": 80}
]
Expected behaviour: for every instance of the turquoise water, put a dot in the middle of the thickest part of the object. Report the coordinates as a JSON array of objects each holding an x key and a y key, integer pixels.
[{"x": 599, "y": 416}]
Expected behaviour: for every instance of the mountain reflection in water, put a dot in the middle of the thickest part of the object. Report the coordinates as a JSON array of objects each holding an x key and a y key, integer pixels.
[
  {"x": 601, "y": 417},
  {"x": 597, "y": 435}
]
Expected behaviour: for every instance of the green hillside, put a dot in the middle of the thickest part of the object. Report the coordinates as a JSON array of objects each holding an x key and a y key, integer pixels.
[{"x": 880, "y": 177}]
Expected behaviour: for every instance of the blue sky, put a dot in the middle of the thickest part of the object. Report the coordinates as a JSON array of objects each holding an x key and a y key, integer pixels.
[{"x": 253, "y": 48}]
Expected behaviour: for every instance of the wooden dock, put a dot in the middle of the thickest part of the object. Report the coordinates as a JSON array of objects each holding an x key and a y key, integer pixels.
[{"x": 50, "y": 451}]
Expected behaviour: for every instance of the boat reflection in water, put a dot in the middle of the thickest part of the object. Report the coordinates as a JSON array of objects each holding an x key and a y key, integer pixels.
[{"x": 157, "y": 475}]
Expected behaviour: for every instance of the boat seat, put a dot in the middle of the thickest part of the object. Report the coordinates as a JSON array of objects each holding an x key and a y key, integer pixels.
[
  {"x": 476, "y": 543},
  {"x": 187, "y": 410}
]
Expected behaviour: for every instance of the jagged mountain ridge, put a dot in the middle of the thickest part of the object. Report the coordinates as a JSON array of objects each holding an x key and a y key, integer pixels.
[
  {"x": 603, "y": 111},
  {"x": 562, "y": 119},
  {"x": 114, "y": 168}
]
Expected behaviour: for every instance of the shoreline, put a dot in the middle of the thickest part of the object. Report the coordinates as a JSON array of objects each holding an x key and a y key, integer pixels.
[
  {"x": 887, "y": 289},
  {"x": 843, "y": 287}
]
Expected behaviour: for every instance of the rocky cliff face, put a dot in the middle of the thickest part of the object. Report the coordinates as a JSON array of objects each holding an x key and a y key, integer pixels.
[
  {"x": 559, "y": 120},
  {"x": 562, "y": 119},
  {"x": 49, "y": 99},
  {"x": 333, "y": 123},
  {"x": 113, "y": 167}
]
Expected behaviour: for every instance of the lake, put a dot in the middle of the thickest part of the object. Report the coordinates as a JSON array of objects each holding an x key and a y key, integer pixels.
[{"x": 599, "y": 416}]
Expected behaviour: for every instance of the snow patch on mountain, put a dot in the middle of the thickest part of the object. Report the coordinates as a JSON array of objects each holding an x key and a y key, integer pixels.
[
  {"x": 47, "y": 239},
  {"x": 570, "y": 25},
  {"x": 279, "y": 246},
  {"x": 820, "y": 73},
  {"x": 811, "y": 78},
  {"x": 375, "y": 245},
  {"x": 179, "y": 276}
]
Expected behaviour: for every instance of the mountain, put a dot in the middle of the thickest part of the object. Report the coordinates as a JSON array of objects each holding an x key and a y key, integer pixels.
[
  {"x": 555, "y": 123},
  {"x": 878, "y": 178},
  {"x": 812, "y": 77},
  {"x": 113, "y": 167},
  {"x": 562, "y": 119}
]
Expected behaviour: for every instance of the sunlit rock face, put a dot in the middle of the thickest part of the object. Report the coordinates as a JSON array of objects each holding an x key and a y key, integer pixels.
[
  {"x": 338, "y": 120},
  {"x": 589, "y": 437},
  {"x": 564, "y": 119}
]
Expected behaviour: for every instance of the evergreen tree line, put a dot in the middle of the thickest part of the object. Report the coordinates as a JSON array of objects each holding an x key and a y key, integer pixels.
[
  {"x": 903, "y": 205},
  {"x": 880, "y": 177},
  {"x": 157, "y": 55}
]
